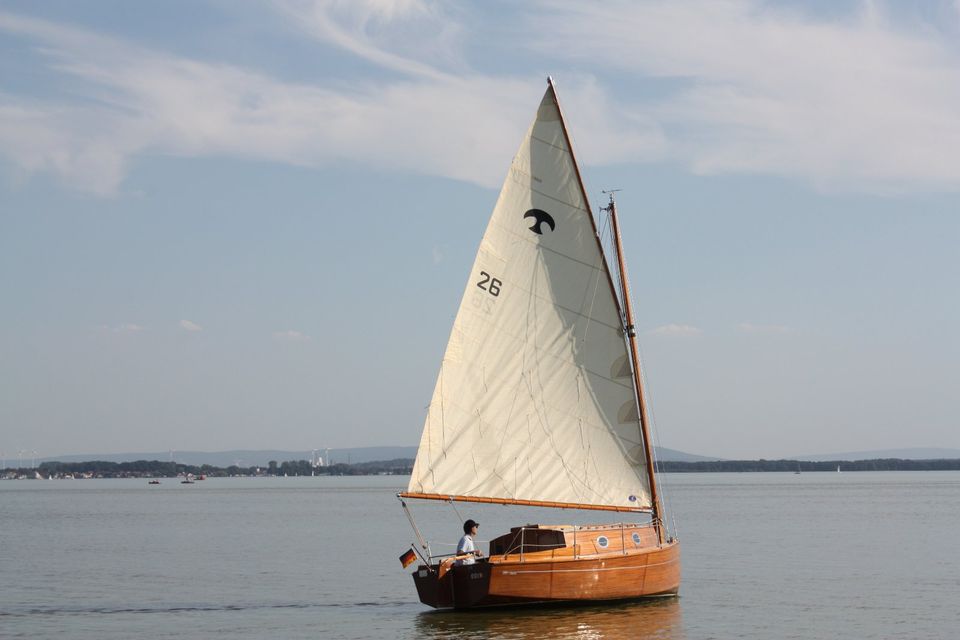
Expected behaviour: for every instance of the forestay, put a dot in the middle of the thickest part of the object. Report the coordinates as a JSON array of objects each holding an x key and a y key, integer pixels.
[{"x": 535, "y": 399}]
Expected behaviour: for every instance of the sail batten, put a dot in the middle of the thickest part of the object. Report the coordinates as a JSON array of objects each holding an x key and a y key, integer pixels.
[{"x": 530, "y": 387}]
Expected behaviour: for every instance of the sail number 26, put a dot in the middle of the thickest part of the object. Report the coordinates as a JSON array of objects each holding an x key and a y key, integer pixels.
[{"x": 489, "y": 284}]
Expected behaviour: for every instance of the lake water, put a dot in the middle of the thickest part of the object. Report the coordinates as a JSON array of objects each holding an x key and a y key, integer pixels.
[{"x": 765, "y": 555}]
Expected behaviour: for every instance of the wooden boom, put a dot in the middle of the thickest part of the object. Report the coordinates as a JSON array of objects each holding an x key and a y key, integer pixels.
[{"x": 526, "y": 503}]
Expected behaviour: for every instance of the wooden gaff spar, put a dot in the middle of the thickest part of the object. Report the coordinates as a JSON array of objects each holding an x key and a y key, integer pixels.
[{"x": 540, "y": 402}]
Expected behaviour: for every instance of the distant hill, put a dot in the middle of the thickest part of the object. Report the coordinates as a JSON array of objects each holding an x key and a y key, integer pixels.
[
  {"x": 672, "y": 455},
  {"x": 245, "y": 458},
  {"x": 916, "y": 453},
  {"x": 248, "y": 458}
]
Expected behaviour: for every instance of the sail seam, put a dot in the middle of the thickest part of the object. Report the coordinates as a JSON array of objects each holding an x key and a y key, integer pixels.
[
  {"x": 593, "y": 425},
  {"x": 544, "y": 194},
  {"x": 556, "y": 305},
  {"x": 543, "y": 247},
  {"x": 557, "y": 356},
  {"x": 549, "y": 144}
]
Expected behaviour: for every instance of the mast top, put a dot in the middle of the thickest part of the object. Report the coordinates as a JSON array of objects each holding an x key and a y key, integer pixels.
[{"x": 611, "y": 192}]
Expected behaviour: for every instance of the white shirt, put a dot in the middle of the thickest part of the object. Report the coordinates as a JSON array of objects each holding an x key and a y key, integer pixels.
[{"x": 465, "y": 546}]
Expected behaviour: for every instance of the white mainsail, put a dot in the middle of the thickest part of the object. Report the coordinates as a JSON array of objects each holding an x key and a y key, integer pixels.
[{"x": 535, "y": 399}]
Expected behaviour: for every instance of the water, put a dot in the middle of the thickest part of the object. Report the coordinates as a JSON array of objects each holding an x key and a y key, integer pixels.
[{"x": 817, "y": 555}]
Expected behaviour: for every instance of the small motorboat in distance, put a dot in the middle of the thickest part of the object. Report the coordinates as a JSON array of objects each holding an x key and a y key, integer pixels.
[{"x": 154, "y": 482}]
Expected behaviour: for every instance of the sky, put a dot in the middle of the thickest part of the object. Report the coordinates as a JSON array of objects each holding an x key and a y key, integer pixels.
[{"x": 248, "y": 225}]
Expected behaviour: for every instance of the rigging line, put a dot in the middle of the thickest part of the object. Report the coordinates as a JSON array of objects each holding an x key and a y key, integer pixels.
[
  {"x": 501, "y": 448},
  {"x": 593, "y": 300},
  {"x": 457, "y": 511},
  {"x": 416, "y": 530},
  {"x": 656, "y": 438},
  {"x": 542, "y": 419},
  {"x": 610, "y": 250},
  {"x": 518, "y": 387},
  {"x": 541, "y": 410}
]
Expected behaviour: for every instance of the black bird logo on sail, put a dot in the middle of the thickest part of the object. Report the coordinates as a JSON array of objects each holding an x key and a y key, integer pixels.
[{"x": 540, "y": 217}]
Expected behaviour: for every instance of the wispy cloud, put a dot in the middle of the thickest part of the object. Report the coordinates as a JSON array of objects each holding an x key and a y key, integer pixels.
[
  {"x": 368, "y": 28},
  {"x": 749, "y": 327},
  {"x": 190, "y": 326},
  {"x": 135, "y": 100},
  {"x": 684, "y": 330},
  {"x": 860, "y": 102},
  {"x": 857, "y": 102},
  {"x": 291, "y": 335}
]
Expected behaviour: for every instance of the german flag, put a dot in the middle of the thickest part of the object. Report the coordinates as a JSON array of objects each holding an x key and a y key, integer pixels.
[{"x": 408, "y": 558}]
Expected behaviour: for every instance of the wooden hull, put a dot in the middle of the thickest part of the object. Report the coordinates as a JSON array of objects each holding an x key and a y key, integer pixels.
[{"x": 621, "y": 575}]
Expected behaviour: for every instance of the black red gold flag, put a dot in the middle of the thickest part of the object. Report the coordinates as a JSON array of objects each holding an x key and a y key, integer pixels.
[{"x": 408, "y": 558}]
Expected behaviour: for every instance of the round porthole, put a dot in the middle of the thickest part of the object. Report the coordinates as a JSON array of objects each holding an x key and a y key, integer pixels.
[
  {"x": 602, "y": 542},
  {"x": 636, "y": 537}
]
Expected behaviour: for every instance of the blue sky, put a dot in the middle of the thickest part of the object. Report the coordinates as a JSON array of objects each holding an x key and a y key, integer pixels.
[{"x": 247, "y": 225}]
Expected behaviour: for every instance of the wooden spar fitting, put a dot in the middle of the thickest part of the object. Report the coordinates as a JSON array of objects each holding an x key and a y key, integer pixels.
[
  {"x": 637, "y": 377},
  {"x": 525, "y": 503}
]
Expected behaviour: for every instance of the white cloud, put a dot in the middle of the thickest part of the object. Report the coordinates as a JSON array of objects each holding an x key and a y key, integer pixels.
[
  {"x": 684, "y": 330},
  {"x": 367, "y": 28},
  {"x": 291, "y": 335},
  {"x": 847, "y": 103},
  {"x": 721, "y": 86},
  {"x": 135, "y": 100},
  {"x": 190, "y": 326},
  {"x": 748, "y": 327}
]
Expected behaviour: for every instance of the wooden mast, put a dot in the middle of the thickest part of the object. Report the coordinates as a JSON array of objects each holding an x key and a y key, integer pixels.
[{"x": 637, "y": 377}]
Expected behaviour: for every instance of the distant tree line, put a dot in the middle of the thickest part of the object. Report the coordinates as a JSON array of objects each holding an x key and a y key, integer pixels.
[
  {"x": 404, "y": 466},
  {"x": 882, "y": 464},
  {"x": 160, "y": 469}
]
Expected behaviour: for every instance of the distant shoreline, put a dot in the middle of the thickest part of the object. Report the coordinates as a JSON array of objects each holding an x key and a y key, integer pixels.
[
  {"x": 804, "y": 466},
  {"x": 404, "y": 466}
]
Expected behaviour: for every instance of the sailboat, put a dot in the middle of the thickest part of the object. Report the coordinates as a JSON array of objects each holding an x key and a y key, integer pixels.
[{"x": 540, "y": 402}]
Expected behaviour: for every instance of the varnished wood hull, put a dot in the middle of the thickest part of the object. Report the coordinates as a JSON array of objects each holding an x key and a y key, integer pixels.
[{"x": 637, "y": 573}]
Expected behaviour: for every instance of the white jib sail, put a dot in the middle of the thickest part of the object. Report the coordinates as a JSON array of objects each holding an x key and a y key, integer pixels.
[{"x": 535, "y": 399}]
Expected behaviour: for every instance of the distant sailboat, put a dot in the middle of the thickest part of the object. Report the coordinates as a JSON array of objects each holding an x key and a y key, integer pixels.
[{"x": 540, "y": 402}]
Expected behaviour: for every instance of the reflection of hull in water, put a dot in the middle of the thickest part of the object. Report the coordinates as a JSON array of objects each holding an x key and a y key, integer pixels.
[
  {"x": 655, "y": 618},
  {"x": 630, "y": 565}
]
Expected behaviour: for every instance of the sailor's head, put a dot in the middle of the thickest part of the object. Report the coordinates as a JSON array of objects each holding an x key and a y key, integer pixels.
[{"x": 470, "y": 527}]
